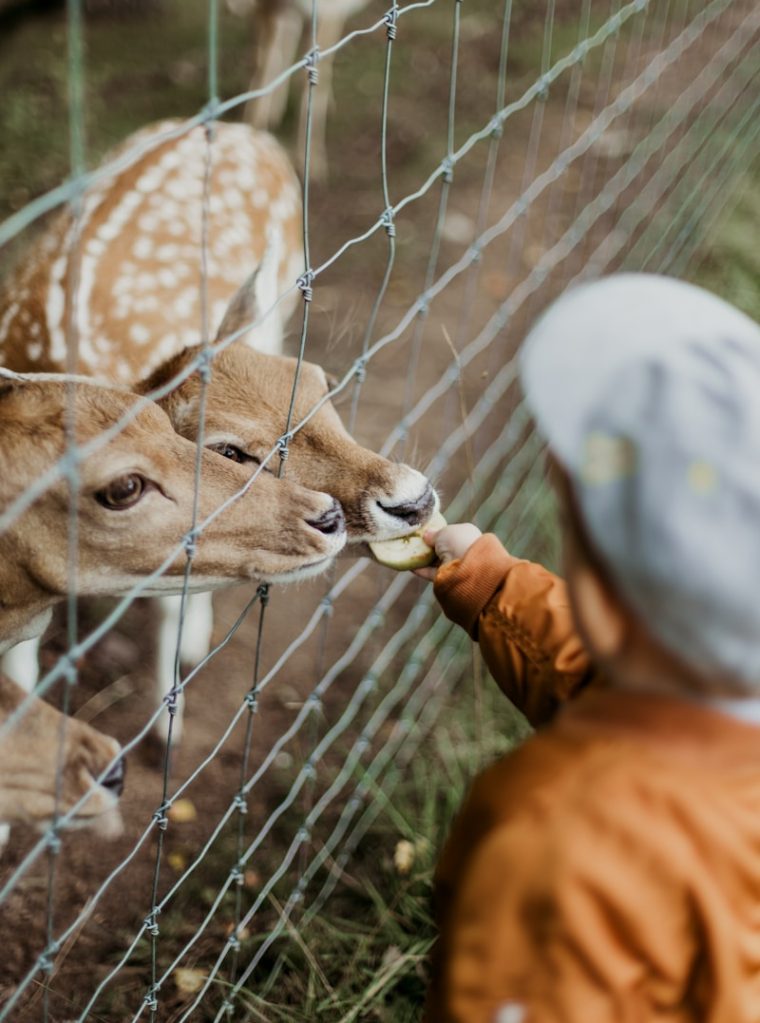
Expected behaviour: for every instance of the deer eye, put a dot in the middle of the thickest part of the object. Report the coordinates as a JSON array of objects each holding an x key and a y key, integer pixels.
[
  {"x": 233, "y": 453},
  {"x": 123, "y": 492}
]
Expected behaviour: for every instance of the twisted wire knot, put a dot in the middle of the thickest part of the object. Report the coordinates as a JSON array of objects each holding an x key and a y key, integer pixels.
[
  {"x": 304, "y": 283},
  {"x": 312, "y": 70},
  {"x": 388, "y": 223},
  {"x": 282, "y": 448},
  {"x": 204, "y": 366},
  {"x": 45, "y": 962},
  {"x": 190, "y": 543},
  {"x": 390, "y": 24},
  {"x": 159, "y": 816}
]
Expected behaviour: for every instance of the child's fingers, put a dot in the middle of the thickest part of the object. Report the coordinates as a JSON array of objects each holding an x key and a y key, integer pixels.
[
  {"x": 426, "y": 573},
  {"x": 429, "y": 536}
]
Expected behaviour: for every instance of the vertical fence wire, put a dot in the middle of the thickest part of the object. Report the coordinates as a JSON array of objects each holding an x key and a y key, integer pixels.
[{"x": 704, "y": 140}]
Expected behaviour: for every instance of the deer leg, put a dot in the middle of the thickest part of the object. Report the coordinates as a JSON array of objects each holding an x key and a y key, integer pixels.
[
  {"x": 21, "y": 663},
  {"x": 196, "y": 632},
  {"x": 168, "y": 631},
  {"x": 277, "y": 51}
]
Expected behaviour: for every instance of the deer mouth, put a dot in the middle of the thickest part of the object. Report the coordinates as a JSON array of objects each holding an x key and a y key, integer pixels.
[
  {"x": 307, "y": 571},
  {"x": 397, "y": 514}
]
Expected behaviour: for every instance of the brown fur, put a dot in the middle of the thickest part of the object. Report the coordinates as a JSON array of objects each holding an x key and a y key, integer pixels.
[
  {"x": 263, "y": 535},
  {"x": 246, "y": 399},
  {"x": 145, "y": 256},
  {"x": 30, "y": 759}
]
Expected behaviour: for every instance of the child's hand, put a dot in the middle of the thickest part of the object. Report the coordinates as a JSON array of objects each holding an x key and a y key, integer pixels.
[{"x": 450, "y": 543}]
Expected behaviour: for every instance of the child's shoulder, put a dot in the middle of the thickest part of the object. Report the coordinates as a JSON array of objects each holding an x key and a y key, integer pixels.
[{"x": 564, "y": 784}]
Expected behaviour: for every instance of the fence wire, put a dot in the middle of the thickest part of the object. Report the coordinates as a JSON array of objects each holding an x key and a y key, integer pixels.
[{"x": 611, "y": 136}]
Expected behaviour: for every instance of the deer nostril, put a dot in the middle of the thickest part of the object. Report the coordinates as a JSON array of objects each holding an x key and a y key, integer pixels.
[
  {"x": 114, "y": 780},
  {"x": 331, "y": 521},
  {"x": 412, "y": 512}
]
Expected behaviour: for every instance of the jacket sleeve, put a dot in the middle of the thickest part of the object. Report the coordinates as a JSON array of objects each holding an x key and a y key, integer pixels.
[{"x": 520, "y": 615}]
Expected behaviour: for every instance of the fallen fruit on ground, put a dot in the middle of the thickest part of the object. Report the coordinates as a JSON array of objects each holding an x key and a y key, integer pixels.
[{"x": 406, "y": 553}]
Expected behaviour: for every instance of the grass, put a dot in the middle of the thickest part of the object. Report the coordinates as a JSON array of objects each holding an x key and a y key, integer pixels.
[
  {"x": 365, "y": 959},
  {"x": 728, "y": 261}
]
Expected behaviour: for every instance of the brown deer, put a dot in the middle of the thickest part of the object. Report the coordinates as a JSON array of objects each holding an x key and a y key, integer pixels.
[
  {"x": 134, "y": 503},
  {"x": 138, "y": 318},
  {"x": 31, "y": 758},
  {"x": 280, "y": 27}
]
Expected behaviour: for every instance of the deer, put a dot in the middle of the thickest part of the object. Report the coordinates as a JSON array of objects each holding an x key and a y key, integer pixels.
[
  {"x": 138, "y": 313},
  {"x": 55, "y": 766},
  {"x": 280, "y": 28},
  {"x": 134, "y": 501}
]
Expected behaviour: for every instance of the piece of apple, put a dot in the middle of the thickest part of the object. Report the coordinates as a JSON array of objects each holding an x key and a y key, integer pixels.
[{"x": 406, "y": 553}]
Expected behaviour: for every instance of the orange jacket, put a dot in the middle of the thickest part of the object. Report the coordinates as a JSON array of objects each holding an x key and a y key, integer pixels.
[{"x": 608, "y": 871}]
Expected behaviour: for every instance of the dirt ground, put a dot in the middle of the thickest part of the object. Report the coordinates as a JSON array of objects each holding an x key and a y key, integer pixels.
[{"x": 149, "y": 63}]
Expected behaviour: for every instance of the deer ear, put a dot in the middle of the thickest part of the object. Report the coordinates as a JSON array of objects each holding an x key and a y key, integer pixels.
[
  {"x": 8, "y": 381},
  {"x": 243, "y": 309},
  {"x": 255, "y": 301}
]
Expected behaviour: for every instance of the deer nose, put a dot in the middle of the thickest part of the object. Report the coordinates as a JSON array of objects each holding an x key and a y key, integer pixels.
[
  {"x": 331, "y": 521},
  {"x": 412, "y": 512},
  {"x": 114, "y": 780}
]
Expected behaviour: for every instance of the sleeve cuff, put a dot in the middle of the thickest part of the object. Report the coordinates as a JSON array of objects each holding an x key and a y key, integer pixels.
[{"x": 464, "y": 587}]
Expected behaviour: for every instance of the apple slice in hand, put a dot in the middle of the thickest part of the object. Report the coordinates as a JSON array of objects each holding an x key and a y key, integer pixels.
[{"x": 406, "y": 553}]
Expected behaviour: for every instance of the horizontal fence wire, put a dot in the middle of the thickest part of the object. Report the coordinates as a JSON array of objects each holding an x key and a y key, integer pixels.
[{"x": 634, "y": 123}]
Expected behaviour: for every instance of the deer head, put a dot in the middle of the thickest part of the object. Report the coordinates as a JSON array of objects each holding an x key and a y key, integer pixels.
[
  {"x": 134, "y": 500},
  {"x": 244, "y": 404},
  {"x": 31, "y": 758}
]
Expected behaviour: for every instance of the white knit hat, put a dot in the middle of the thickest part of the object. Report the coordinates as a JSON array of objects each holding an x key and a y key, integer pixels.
[{"x": 648, "y": 393}]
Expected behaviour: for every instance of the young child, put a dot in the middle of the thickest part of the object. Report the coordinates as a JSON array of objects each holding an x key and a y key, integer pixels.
[{"x": 608, "y": 871}]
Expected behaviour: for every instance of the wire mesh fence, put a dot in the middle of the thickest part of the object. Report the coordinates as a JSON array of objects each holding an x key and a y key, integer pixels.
[{"x": 481, "y": 159}]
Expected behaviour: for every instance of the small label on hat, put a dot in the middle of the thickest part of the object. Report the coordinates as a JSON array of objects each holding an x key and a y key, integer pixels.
[
  {"x": 703, "y": 478},
  {"x": 607, "y": 458}
]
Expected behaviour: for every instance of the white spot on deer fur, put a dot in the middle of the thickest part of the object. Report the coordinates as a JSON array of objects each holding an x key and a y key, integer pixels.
[
  {"x": 167, "y": 278},
  {"x": 34, "y": 350},
  {"x": 7, "y": 320},
  {"x": 87, "y": 267},
  {"x": 167, "y": 253},
  {"x": 95, "y": 247},
  {"x": 35, "y": 330},
  {"x": 144, "y": 282},
  {"x": 54, "y": 309},
  {"x": 175, "y": 229},
  {"x": 139, "y": 333},
  {"x": 184, "y": 187},
  {"x": 184, "y": 304},
  {"x": 260, "y": 198},
  {"x": 170, "y": 159},
  {"x": 143, "y": 248},
  {"x": 246, "y": 179},
  {"x": 147, "y": 222},
  {"x": 151, "y": 179}
]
